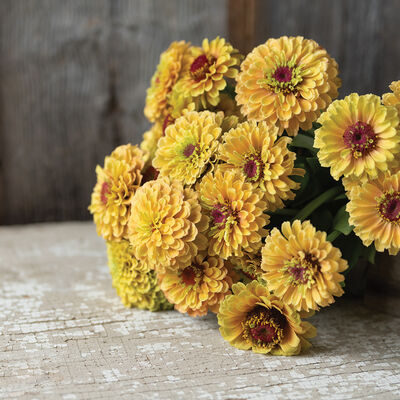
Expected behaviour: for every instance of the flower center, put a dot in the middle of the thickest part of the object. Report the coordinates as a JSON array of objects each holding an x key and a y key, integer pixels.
[
  {"x": 105, "y": 190},
  {"x": 200, "y": 67},
  {"x": 223, "y": 214},
  {"x": 189, "y": 275},
  {"x": 167, "y": 122},
  {"x": 301, "y": 271},
  {"x": 283, "y": 74},
  {"x": 360, "y": 138},
  {"x": 264, "y": 327},
  {"x": 189, "y": 149},
  {"x": 253, "y": 168},
  {"x": 284, "y": 78},
  {"x": 389, "y": 207}
]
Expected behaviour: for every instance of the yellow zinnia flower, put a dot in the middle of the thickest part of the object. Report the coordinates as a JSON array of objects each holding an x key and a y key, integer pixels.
[
  {"x": 249, "y": 265},
  {"x": 358, "y": 137},
  {"x": 253, "y": 318},
  {"x": 205, "y": 70},
  {"x": 375, "y": 213},
  {"x": 149, "y": 142},
  {"x": 287, "y": 81},
  {"x": 136, "y": 284},
  {"x": 199, "y": 287},
  {"x": 301, "y": 267},
  {"x": 393, "y": 99},
  {"x": 236, "y": 212},
  {"x": 253, "y": 150},
  {"x": 166, "y": 225},
  {"x": 115, "y": 187},
  {"x": 163, "y": 80},
  {"x": 188, "y": 144}
]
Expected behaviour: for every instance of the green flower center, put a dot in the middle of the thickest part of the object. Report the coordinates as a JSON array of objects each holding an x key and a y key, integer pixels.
[
  {"x": 263, "y": 327},
  {"x": 389, "y": 207}
]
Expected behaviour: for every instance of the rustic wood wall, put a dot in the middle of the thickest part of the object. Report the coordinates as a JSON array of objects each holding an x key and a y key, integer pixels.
[{"x": 73, "y": 75}]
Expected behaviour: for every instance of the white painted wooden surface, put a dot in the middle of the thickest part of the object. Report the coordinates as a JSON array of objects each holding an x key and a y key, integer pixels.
[{"x": 65, "y": 335}]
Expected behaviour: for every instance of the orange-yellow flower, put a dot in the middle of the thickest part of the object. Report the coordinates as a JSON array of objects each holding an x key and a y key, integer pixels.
[
  {"x": 253, "y": 318},
  {"x": 189, "y": 143},
  {"x": 205, "y": 70},
  {"x": 393, "y": 99},
  {"x": 115, "y": 187},
  {"x": 236, "y": 213},
  {"x": 375, "y": 213},
  {"x": 301, "y": 267},
  {"x": 199, "y": 287},
  {"x": 136, "y": 284},
  {"x": 358, "y": 137},
  {"x": 166, "y": 225},
  {"x": 255, "y": 152},
  {"x": 287, "y": 81},
  {"x": 163, "y": 80}
]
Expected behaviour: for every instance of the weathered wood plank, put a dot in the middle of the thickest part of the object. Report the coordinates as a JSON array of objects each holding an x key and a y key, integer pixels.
[
  {"x": 65, "y": 335},
  {"x": 73, "y": 76}
]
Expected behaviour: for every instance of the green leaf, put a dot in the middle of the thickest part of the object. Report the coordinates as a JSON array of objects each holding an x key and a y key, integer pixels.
[
  {"x": 341, "y": 221},
  {"x": 370, "y": 253},
  {"x": 305, "y": 142},
  {"x": 317, "y": 202}
]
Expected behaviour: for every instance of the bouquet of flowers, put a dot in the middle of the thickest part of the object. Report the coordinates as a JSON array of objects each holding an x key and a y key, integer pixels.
[{"x": 253, "y": 193}]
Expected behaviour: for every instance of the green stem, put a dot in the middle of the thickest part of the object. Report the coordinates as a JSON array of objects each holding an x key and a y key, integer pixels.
[
  {"x": 284, "y": 211},
  {"x": 333, "y": 235},
  {"x": 321, "y": 199}
]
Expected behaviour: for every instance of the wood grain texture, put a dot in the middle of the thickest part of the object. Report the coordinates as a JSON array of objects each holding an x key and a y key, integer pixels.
[
  {"x": 362, "y": 35},
  {"x": 73, "y": 76},
  {"x": 65, "y": 335}
]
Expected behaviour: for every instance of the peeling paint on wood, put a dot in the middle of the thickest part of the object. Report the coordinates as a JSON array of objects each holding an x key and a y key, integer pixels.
[{"x": 65, "y": 335}]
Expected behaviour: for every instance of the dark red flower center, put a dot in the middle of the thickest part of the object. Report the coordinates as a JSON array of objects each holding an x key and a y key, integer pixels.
[
  {"x": 199, "y": 68},
  {"x": 299, "y": 274},
  {"x": 264, "y": 326},
  {"x": 218, "y": 216},
  {"x": 360, "y": 138},
  {"x": 105, "y": 190},
  {"x": 283, "y": 74},
  {"x": 389, "y": 207},
  {"x": 189, "y": 149},
  {"x": 250, "y": 168},
  {"x": 189, "y": 274}
]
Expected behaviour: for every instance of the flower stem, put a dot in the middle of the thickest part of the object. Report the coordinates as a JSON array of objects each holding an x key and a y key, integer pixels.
[{"x": 333, "y": 235}]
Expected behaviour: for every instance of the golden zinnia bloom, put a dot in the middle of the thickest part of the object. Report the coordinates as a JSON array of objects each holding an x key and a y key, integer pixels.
[
  {"x": 236, "y": 213},
  {"x": 115, "y": 187},
  {"x": 163, "y": 80},
  {"x": 188, "y": 145},
  {"x": 136, "y": 284},
  {"x": 253, "y": 318},
  {"x": 149, "y": 142},
  {"x": 301, "y": 267},
  {"x": 199, "y": 287},
  {"x": 166, "y": 225},
  {"x": 253, "y": 150},
  {"x": 249, "y": 266},
  {"x": 287, "y": 81},
  {"x": 393, "y": 99},
  {"x": 358, "y": 137},
  {"x": 375, "y": 213},
  {"x": 206, "y": 68}
]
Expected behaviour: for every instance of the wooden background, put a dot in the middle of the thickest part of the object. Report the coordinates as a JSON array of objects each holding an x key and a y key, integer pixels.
[{"x": 73, "y": 76}]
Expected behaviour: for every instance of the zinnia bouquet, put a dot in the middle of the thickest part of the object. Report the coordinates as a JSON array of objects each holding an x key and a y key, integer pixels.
[{"x": 254, "y": 192}]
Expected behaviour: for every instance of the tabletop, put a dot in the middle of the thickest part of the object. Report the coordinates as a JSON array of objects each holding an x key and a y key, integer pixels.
[{"x": 65, "y": 335}]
